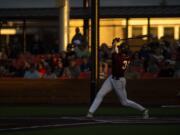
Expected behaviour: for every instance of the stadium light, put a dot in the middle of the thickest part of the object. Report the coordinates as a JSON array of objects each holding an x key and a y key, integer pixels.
[{"x": 8, "y": 31}]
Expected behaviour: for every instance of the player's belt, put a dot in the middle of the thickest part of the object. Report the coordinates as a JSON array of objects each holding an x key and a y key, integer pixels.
[{"x": 116, "y": 77}]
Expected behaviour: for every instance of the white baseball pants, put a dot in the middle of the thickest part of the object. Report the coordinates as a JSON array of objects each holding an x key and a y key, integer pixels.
[{"x": 120, "y": 88}]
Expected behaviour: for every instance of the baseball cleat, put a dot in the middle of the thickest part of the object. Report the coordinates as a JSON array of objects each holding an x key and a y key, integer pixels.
[
  {"x": 146, "y": 114},
  {"x": 89, "y": 115}
]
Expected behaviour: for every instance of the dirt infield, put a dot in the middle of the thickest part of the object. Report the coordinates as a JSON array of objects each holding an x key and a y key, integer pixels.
[{"x": 28, "y": 123}]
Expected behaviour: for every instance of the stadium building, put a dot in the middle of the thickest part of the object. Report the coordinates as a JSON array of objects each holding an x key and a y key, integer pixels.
[{"x": 24, "y": 21}]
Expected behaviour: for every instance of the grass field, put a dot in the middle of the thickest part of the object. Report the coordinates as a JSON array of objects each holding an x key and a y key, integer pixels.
[
  {"x": 106, "y": 130},
  {"x": 52, "y": 111},
  {"x": 103, "y": 129}
]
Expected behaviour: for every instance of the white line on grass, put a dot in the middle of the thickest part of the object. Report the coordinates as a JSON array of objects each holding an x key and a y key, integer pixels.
[
  {"x": 84, "y": 118},
  {"x": 49, "y": 126}
]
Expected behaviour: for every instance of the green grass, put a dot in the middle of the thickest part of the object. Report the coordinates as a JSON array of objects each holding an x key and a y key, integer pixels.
[
  {"x": 53, "y": 111},
  {"x": 114, "y": 129},
  {"x": 106, "y": 130}
]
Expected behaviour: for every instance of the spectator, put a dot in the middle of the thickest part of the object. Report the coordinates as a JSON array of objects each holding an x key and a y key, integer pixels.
[
  {"x": 49, "y": 60},
  {"x": 131, "y": 74},
  {"x": 85, "y": 65},
  {"x": 105, "y": 53},
  {"x": 73, "y": 70},
  {"x": 32, "y": 73},
  {"x": 59, "y": 69},
  {"x": 64, "y": 59},
  {"x": 152, "y": 67},
  {"x": 71, "y": 54},
  {"x": 82, "y": 51},
  {"x": 136, "y": 60},
  {"x": 103, "y": 70},
  {"x": 41, "y": 69},
  {"x": 3, "y": 71},
  {"x": 78, "y": 39},
  {"x": 49, "y": 74},
  {"x": 167, "y": 51},
  {"x": 145, "y": 52},
  {"x": 157, "y": 56}
]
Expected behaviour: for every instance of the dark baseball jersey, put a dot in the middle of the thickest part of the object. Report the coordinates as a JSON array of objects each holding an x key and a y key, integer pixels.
[{"x": 120, "y": 62}]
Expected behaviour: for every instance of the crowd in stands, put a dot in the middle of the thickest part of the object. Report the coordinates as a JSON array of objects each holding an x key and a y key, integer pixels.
[
  {"x": 73, "y": 63},
  {"x": 64, "y": 64},
  {"x": 156, "y": 58}
]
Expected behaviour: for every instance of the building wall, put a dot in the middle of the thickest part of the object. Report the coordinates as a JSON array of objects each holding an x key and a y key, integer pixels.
[{"x": 109, "y": 29}]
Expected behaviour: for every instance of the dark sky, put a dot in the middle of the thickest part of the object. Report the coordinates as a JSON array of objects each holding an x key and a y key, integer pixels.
[{"x": 52, "y": 3}]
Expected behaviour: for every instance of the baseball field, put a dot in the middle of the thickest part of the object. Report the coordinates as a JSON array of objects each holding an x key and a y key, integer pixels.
[{"x": 68, "y": 120}]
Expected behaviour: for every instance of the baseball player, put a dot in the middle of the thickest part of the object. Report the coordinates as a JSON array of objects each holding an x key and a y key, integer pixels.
[{"x": 117, "y": 81}]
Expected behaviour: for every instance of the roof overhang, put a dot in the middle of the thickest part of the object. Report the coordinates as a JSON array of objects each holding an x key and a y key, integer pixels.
[{"x": 105, "y": 12}]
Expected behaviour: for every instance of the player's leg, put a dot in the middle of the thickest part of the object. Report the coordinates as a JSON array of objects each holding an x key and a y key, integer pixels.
[
  {"x": 120, "y": 88},
  {"x": 105, "y": 88}
]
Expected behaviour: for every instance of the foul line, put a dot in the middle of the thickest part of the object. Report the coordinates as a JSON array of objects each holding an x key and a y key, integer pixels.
[
  {"x": 90, "y": 122},
  {"x": 49, "y": 126},
  {"x": 83, "y": 118}
]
